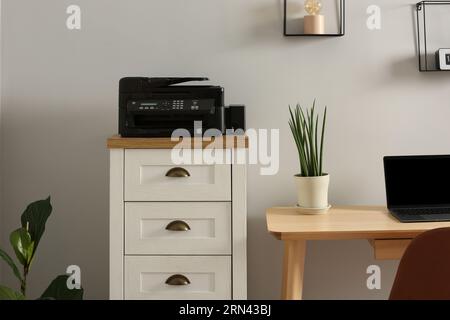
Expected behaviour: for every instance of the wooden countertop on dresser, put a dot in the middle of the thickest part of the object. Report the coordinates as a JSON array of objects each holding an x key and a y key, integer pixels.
[{"x": 226, "y": 142}]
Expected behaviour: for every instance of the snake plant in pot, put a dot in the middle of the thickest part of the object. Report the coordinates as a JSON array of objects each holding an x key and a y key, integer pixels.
[{"x": 308, "y": 130}]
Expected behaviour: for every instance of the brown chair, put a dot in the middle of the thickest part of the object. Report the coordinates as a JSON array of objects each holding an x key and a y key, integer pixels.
[{"x": 424, "y": 270}]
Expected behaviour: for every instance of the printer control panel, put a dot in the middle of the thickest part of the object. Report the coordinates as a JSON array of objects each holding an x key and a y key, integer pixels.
[{"x": 180, "y": 105}]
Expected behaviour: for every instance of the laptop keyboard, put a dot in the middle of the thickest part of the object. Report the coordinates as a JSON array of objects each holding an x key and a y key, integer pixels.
[{"x": 423, "y": 211}]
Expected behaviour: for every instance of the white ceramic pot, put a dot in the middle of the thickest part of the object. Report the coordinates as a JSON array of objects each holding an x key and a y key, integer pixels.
[{"x": 312, "y": 192}]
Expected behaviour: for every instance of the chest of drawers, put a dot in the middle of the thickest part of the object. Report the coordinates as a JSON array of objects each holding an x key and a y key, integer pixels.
[{"x": 176, "y": 231}]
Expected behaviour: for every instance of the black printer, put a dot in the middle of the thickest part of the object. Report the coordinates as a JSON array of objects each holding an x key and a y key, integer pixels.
[{"x": 155, "y": 107}]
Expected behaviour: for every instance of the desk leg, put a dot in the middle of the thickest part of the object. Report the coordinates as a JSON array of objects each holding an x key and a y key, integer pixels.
[{"x": 293, "y": 269}]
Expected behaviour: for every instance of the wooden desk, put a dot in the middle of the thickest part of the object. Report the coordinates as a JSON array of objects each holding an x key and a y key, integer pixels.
[{"x": 388, "y": 236}]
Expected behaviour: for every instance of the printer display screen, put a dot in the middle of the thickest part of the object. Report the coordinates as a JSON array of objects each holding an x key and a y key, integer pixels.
[{"x": 150, "y": 106}]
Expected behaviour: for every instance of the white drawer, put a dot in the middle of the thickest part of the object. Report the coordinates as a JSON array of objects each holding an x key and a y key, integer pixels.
[
  {"x": 178, "y": 228},
  {"x": 147, "y": 278},
  {"x": 146, "y": 178}
]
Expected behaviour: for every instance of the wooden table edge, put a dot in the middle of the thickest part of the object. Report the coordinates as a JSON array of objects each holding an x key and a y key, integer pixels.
[
  {"x": 224, "y": 142},
  {"x": 346, "y": 235}
]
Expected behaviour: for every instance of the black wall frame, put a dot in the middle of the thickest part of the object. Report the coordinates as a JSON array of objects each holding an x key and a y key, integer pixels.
[
  {"x": 341, "y": 30},
  {"x": 422, "y": 35}
]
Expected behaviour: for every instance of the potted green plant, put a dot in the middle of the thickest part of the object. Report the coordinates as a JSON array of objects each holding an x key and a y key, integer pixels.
[
  {"x": 308, "y": 131},
  {"x": 24, "y": 242}
]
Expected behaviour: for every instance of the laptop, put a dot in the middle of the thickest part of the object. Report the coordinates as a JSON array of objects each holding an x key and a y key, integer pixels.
[{"x": 418, "y": 187}]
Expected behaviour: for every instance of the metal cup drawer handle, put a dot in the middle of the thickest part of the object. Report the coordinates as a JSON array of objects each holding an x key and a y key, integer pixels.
[
  {"x": 178, "y": 280},
  {"x": 178, "y": 225},
  {"x": 178, "y": 172}
]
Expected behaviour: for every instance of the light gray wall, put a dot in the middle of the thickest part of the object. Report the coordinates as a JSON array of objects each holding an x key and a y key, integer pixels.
[
  {"x": 1, "y": 218},
  {"x": 60, "y": 104}
]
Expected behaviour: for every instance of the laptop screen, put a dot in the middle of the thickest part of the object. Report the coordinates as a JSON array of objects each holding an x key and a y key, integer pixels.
[{"x": 417, "y": 181}]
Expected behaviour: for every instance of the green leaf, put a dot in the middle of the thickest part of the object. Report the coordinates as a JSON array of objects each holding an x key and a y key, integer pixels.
[
  {"x": 23, "y": 246},
  {"x": 34, "y": 218},
  {"x": 304, "y": 125},
  {"x": 9, "y": 294},
  {"x": 316, "y": 148},
  {"x": 11, "y": 263},
  {"x": 58, "y": 290},
  {"x": 30, "y": 252},
  {"x": 322, "y": 139}
]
